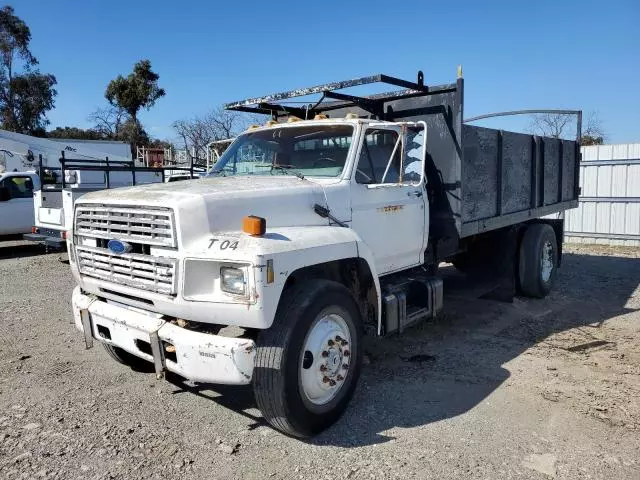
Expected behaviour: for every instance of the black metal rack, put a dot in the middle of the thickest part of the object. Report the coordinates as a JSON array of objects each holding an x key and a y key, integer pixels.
[
  {"x": 107, "y": 166},
  {"x": 373, "y": 104}
]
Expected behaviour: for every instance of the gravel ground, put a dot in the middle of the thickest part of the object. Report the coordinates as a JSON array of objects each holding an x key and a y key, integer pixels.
[{"x": 532, "y": 389}]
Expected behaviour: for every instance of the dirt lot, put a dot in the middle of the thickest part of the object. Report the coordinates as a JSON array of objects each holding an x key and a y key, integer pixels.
[{"x": 533, "y": 389}]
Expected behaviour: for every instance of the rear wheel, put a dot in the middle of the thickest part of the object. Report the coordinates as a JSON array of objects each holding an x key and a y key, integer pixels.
[
  {"x": 308, "y": 362},
  {"x": 538, "y": 260},
  {"x": 125, "y": 358}
]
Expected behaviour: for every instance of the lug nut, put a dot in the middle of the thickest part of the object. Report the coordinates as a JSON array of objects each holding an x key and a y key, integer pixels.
[
  {"x": 339, "y": 378},
  {"x": 346, "y": 353},
  {"x": 323, "y": 368},
  {"x": 345, "y": 366},
  {"x": 332, "y": 383},
  {"x": 331, "y": 343},
  {"x": 325, "y": 354},
  {"x": 326, "y": 380},
  {"x": 338, "y": 338}
]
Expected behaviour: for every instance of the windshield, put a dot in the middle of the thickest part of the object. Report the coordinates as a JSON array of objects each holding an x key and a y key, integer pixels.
[{"x": 310, "y": 150}]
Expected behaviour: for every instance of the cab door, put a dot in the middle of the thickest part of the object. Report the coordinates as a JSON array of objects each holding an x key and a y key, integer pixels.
[
  {"x": 388, "y": 196},
  {"x": 16, "y": 213}
]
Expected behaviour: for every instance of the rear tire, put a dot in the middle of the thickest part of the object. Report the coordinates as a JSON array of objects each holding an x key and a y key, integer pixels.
[
  {"x": 308, "y": 362},
  {"x": 538, "y": 260},
  {"x": 125, "y": 358}
]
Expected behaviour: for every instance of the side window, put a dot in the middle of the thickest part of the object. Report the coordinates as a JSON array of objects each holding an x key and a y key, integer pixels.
[
  {"x": 412, "y": 162},
  {"x": 19, "y": 187},
  {"x": 377, "y": 148}
]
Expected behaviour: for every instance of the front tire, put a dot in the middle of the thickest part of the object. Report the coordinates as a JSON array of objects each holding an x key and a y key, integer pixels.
[
  {"x": 308, "y": 362},
  {"x": 125, "y": 358},
  {"x": 538, "y": 260}
]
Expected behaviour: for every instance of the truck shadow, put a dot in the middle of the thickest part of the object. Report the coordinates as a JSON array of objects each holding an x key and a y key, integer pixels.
[
  {"x": 19, "y": 249},
  {"x": 444, "y": 368}
]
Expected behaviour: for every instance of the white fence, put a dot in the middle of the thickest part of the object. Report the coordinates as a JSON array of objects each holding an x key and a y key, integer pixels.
[{"x": 609, "y": 207}]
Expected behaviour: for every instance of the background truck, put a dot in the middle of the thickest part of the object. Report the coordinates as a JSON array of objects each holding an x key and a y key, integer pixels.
[
  {"x": 68, "y": 169},
  {"x": 42, "y": 158},
  {"x": 16, "y": 202},
  {"x": 327, "y": 222}
]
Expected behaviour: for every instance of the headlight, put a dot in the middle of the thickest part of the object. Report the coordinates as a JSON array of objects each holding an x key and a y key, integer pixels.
[{"x": 232, "y": 281}]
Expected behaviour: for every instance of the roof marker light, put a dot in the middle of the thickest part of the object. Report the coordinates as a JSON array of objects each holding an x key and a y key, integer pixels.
[{"x": 253, "y": 225}]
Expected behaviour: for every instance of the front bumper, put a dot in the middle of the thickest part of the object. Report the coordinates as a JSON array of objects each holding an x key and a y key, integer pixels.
[{"x": 200, "y": 357}]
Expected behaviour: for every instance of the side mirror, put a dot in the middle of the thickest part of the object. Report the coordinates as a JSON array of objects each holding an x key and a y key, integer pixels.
[{"x": 5, "y": 194}]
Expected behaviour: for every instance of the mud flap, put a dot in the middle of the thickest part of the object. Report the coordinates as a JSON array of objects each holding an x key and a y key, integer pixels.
[
  {"x": 87, "y": 328},
  {"x": 158, "y": 354},
  {"x": 506, "y": 245}
]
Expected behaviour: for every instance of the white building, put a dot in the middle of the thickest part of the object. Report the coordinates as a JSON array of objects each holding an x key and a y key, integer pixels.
[{"x": 609, "y": 209}]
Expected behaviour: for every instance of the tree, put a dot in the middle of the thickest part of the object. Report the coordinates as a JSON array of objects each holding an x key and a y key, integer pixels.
[
  {"x": 24, "y": 97},
  {"x": 157, "y": 143},
  {"x": 133, "y": 133},
  {"x": 550, "y": 124},
  {"x": 138, "y": 90},
  {"x": 75, "y": 133},
  {"x": 218, "y": 124},
  {"x": 592, "y": 131},
  {"x": 108, "y": 121},
  {"x": 557, "y": 124}
]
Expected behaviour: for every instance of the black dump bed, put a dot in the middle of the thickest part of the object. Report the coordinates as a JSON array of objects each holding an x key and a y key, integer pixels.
[
  {"x": 479, "y": 179},
  {"x": 508, "y": 177}
]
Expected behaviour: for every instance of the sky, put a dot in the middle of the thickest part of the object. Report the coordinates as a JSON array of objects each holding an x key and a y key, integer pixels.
[{"x": 515, "y": 54}]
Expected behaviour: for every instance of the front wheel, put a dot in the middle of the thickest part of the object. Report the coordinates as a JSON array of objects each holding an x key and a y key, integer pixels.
[
  {"x": 125, "y": 358},
  {"x": 308, "y": 363}
]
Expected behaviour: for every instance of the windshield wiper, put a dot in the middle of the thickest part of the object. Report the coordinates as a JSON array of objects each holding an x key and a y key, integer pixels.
[
  {"x": 283, "y": 168},
  {"x": 286, "y": 168}
]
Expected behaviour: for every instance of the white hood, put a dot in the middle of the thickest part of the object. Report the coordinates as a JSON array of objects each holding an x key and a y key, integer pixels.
[{"x": 218, "y": 204}]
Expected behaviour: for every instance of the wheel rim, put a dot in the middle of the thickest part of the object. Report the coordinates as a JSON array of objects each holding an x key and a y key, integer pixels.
[
  {"x": 546, "y": 261},
  {"x": 325, "y": 358}
]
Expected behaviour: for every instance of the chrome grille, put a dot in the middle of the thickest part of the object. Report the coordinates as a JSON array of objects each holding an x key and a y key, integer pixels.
[
  {"x": 155, "y": 274},
  {"x": 150, "y": 226}
]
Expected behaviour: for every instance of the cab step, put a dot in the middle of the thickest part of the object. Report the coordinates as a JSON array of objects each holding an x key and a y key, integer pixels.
[{"x": 410, "y": 300}]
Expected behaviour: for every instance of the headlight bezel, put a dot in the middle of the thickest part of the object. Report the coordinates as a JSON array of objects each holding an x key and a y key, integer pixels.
[{"x": 201, "y": 281}]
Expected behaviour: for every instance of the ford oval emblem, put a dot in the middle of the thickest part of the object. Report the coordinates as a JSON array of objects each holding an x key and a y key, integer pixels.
[{"x": 118, "y": 246}]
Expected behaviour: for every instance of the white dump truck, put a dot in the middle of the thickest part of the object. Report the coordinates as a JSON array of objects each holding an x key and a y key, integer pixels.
[{"x": 326, "y": 223}]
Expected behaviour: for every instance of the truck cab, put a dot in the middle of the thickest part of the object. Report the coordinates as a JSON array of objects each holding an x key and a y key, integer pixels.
[
  {"x": 334, "y": 199},
  {"x": 16, "y": 202}
]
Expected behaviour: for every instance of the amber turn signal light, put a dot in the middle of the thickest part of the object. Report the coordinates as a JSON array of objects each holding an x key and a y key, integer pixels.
[{"x": 254, "y": 225}]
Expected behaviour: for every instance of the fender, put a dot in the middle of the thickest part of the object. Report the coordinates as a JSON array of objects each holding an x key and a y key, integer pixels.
[{"x": 293, "y": 248}]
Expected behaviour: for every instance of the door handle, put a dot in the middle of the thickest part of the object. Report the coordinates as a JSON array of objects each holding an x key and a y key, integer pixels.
[{"x": 416, "y": 194}]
